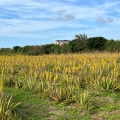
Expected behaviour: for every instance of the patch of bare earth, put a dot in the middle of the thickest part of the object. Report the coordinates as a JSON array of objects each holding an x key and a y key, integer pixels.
[{"x": 53, "y": 112}]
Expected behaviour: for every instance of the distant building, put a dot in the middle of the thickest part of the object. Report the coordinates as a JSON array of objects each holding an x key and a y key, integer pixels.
[{"x": 61, "y": 42}]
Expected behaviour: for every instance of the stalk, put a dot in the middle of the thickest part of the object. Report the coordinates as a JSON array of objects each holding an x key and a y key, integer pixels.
[{"x": 1, "y": 94}]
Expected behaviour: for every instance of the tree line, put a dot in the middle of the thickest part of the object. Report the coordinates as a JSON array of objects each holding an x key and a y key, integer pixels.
[{"x": 80, "y": 44}]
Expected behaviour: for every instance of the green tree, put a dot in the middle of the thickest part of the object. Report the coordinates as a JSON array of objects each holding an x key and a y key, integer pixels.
[
  {"x": 5, "y": 51},
  {"x": 16, "y": 48},
  {"x": 97, "y": 43},
  {"x": 81, "y": 36},
  {"x": 64, "y": 48},
  {"x": 111, "y": 45},
  {"x": 74, "y": 46},
  {"x": 25, "y": 49}
]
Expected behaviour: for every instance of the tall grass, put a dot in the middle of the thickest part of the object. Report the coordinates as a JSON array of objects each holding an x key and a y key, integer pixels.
[
  {"x": 59, "y": 77},
  {"x": 6, "y": 106}
]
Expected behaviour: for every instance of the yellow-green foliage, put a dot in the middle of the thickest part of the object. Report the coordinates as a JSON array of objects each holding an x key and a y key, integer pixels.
[
  {"x": 6, "y": 107},
  {"x": 65, "y": 73},
  {"x": 1, "y": 86}
]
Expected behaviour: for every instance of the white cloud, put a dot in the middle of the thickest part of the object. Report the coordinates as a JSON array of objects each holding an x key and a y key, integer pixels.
[
  {"x": 109, "y": 5},
  {"x": 34, "y": 17},
  {"x": 105, "y": 20},
  {"x": 71, "y": 0},
  {"x": 19, "y": 28}
]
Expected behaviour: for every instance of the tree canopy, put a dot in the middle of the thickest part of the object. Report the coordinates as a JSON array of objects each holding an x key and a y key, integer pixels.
[{"x": 79, "y": 44}]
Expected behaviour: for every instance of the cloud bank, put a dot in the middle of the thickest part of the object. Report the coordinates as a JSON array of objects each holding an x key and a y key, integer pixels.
[{"x": 58, "y": 19}]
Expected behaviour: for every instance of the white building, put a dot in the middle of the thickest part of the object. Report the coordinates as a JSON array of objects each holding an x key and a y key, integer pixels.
[{"x": 61, "y": 42}]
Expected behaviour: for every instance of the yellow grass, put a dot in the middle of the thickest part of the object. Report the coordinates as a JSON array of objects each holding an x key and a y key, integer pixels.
[
  {"x": 76, "y": 71},
  {"x": 1, "y": 86}
]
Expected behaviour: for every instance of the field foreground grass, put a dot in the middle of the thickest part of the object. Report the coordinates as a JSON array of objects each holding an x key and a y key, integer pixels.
[
  {"x": 106, "y": 107},
  {"x": 63, "y": 87}
]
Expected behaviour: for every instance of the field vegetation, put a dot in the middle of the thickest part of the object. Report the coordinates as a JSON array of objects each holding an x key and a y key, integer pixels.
[{"x": 61, "y": 87}]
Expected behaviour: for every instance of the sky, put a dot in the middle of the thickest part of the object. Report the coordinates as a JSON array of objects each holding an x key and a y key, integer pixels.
[{"x": 38, "y": 22}]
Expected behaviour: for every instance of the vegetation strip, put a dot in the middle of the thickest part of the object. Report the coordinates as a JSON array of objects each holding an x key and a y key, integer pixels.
[{"x": 68, "y": 86}]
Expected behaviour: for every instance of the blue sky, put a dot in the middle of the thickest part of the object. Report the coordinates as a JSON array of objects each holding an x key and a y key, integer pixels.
[{"x": 37, "y": 22}]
